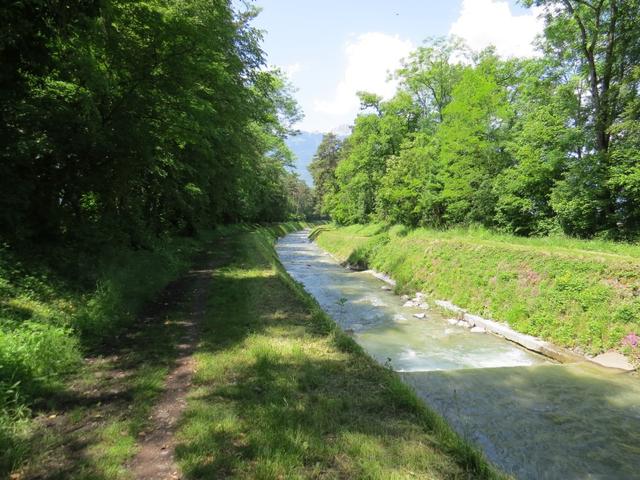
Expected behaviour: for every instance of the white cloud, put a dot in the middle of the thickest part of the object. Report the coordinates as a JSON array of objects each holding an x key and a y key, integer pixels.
[
  {"x": 490, "y": 22},
  {"x": 369, "y": 59}
]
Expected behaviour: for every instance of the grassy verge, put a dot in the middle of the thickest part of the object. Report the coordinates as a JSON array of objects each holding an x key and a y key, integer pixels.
[
  {"x": 579, "y": 294},
  {"x": 280, "y": 392},
  {"x": 49, "y": 323},
  {"x": 71, "y": 416},
  {"x": 90, "y": 430}
]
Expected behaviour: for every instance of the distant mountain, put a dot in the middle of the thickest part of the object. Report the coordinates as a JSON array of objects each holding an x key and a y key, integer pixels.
[{"x": 304, "y": 146}]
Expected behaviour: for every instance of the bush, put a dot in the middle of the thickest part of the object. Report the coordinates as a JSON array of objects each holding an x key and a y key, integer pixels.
[{"x": 34, "y": 356}]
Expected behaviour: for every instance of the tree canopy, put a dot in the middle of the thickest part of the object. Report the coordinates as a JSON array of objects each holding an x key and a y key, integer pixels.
[
  {"x": 528, "y": 146},
  {"x": 122, "y": 120}
]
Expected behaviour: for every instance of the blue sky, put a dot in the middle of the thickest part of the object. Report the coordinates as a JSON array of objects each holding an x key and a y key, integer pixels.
[{"x": 332, "y": 48}]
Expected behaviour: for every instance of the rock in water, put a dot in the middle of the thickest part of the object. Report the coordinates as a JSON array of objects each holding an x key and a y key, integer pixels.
[
  {"x": 452, "y": 321},
  {"x": 419, "y": 315},
  {"x": 477, "y": 330},
  {"x": 613, "y": 360}
]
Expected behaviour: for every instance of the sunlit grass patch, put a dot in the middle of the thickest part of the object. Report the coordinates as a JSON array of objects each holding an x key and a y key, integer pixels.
[
  {"x": 53, "y": 315},
  {"x": 280, "y": 392},
  {"x": 97, "y": 438}
]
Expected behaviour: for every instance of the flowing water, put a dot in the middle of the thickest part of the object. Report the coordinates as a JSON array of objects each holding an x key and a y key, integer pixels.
[{"x": 533, "y": 418}]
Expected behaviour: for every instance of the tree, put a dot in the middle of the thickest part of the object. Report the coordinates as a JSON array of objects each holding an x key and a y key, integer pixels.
[
  {"x": 121, "y": 121},
  {"x": 601, "y": 38},
  {"x": 410, "y": 188},
  {"x": 323, "y": 167},
  {"x": 301, "y": 197},
  {"x": 624, "y": 180},
  {"x": 597, "y": 41},
  {"x": 540, "y": 138},
  {"x": 472, "y": 145},
  {"x": 430, "y": 75},
  {"x": 374, "y": 139}
]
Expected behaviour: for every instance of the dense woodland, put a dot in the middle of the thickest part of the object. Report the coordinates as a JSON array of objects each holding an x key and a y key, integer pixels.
[
  {"x": 128, "y": 129},
  {"x": 527, "y": 146},
  {"x": 122, "y": 121}
]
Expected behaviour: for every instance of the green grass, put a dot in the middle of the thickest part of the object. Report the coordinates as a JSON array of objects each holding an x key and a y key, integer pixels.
[
  {"x": 280, "y": 392},
  {"x": 579, "y": 294},
  {"x": 50, "y": 319},
  {"x": 90, "y": 430},
  {"x": 60, "y": 415}
]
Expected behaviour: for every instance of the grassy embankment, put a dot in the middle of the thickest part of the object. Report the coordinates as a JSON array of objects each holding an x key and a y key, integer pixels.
[
  {"x": 281, "y": 392},
  {"x": 579, "y": 294},
  {"x": 78, "y": 371},
  {"x": 278, "y": 388},
  {"x": 81, "y": 365}
]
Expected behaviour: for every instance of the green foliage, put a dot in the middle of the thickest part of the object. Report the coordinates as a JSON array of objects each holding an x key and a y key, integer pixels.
[
  {"x": 36, "y": 354},
  {"x": 300, "y": 197},
  {"x": 430, "y": 75},
  {"x": 600, "y": 39},
  {"x": 471, "y": 143},
  {"x": 323, "y": 169},
  {"x": 526, "y": 146},
  {"x": 122, "y": 121},
  {"x": 359, "y": 174},
  {"x": 410, "y": 190},
  {"x": 624, "y": 181}
]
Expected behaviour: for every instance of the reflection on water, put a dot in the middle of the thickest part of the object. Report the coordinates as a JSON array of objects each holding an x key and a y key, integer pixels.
[{"x": 532, "y": 418}]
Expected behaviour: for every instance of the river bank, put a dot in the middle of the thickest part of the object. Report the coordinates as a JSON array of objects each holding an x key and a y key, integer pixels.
[
  {"x": 579, "y": 295},
  {"x": 281, "y": 392},
  {"x": 235, "y": 371},
  {"x": 531, "y": 417}
]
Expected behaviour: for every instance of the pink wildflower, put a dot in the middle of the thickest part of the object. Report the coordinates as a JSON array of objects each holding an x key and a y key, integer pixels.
[{"x": 631, "y": 339}]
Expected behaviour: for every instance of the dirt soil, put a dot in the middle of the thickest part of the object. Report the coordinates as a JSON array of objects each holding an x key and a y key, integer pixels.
[{"x": 155, "y": 457}]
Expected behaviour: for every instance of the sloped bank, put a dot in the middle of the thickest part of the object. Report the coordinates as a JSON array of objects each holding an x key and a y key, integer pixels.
[
  {"x": 580, "y": 295},
  {"x": 281, "y": 392}
]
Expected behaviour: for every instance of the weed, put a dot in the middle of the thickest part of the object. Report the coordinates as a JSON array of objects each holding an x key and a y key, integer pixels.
[{"x": 341, "y": 312}]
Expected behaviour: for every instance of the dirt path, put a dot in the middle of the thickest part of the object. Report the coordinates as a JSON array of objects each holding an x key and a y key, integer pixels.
[
  {"x": 155, "y": 458},
  {"x": 116, "y": 406}
]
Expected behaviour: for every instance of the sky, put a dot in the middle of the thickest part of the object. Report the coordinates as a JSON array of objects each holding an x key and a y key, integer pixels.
[{"x": 331, "y": 49}]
